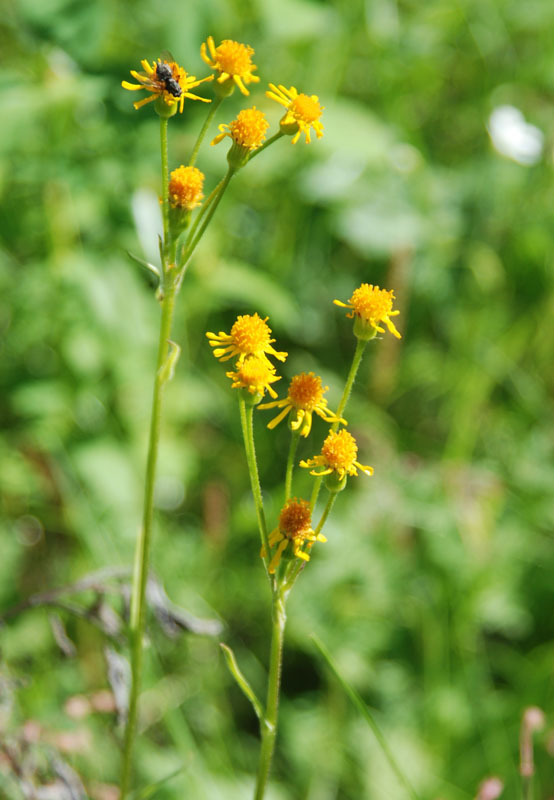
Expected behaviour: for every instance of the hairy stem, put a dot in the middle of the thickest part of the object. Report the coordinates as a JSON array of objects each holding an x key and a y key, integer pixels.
[{"x": 268, "y": 724}]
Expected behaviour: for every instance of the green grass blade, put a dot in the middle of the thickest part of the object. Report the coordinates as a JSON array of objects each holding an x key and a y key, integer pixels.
[
  {"x": 149, "y": 791},
  {"x": 367, "y": 715}
]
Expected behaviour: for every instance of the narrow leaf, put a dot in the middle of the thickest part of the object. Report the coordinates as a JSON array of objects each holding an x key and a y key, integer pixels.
[
  {"x": 167, "y": 369},
  {"x": 241, "y": 680},
  {"x": 154, "y": 272},
  {"x": 366, "y": 713}
]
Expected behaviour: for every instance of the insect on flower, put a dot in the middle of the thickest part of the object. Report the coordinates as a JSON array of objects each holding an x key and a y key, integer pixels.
[
  {"x": 164, "y": 74},
  {"x": 167, "y": 80}
]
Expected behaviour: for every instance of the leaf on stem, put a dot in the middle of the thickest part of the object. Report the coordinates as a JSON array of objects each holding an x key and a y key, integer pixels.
[
  {"x": 153, "y": 272},
  {"x": 167, "y": 369},
  {"x": 241, "y": 680},
  {"x": 366, "y": 714}
]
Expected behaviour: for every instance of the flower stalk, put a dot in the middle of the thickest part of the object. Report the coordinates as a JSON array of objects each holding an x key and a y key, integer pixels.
[{"x": 142, "y": 553}]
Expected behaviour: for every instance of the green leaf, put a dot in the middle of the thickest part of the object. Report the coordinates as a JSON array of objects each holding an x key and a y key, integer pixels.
[
  {"x": 167, "y": 370},
  {"x": 241, "y": 680},
  {"x": 154, "y": 276},
  {"x": 366, "y": 714}
]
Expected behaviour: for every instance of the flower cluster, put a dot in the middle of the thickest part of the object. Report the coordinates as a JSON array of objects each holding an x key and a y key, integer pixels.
[
  {"x": 250, "y": 342},
  {"x": 231, "y": 61}
]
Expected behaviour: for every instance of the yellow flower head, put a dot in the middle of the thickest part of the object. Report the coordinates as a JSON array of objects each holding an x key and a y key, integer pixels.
[
  {"x": 370, "y": 306},
  {"x": 165, "y": 79},
  {"x": 250, "y": 336},
  {"x": 185, "y": 188},
  {"x": 255, "y": 375},
  {"x": 305, "y": 396},
  {"x": 303, "y": 112},
  {"x": 338, "y": 455},
  {"x": 295, "y": 526},
  {"x": 247, "y": 130},
  {"x": 232, "y": 60}
]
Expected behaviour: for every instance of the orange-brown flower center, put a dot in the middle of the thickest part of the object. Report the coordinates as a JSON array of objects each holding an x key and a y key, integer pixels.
[
  {"x": 340, "y": 450},
  {"x": 372, "y": 303},
  {"x": 306, "y": 108},
  {"x": 295, "y": 519},
  {"x": 306, "y": 391},
  {"x": 249, "y": 128},
  {"x": 185, "y": 187},
  {"x": 251, "y": 334},
  {"x": 234, "y": 58}
]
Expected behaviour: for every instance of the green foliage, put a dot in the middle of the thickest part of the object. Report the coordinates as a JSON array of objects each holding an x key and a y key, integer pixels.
[{"x": 433, "y": 592}]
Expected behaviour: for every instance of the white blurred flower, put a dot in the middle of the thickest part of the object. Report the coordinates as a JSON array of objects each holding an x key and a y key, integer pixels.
[{"x": 513, "y": 137}]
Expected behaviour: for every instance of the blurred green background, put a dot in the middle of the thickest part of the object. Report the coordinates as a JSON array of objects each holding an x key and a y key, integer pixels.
[{"x": 434, "y": 591}]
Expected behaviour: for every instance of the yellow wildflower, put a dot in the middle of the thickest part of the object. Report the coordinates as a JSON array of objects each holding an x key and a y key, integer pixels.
[
  {"x": 165, "y": 79},
  {"x": 305, "y": 396},
  {"x": 303, "y": 112},
  {"x": 295, "y": 526},
  {"x": 250, "y": 336},
  {"x": 370, "y": 306},
  {"x": 185, "y": 188},
  {"x": 255, "y": 375},
  {"x": 338, "y": 455},
  {"x": 247, "y": 130},
  {"x": 232, "y": 60}
]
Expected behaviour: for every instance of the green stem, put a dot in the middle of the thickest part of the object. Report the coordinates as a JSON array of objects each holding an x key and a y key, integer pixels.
[
  {"x": 211, "y": 114},
  {"x": 165, "y": 184},
  {"x": 356, "y": 361},
  {"x": 326, "y": 512},
  {"x": 268, "y": 724},
  {"x": 527, "y": 787},
  {"x": 192, "y": 243},
  {"x": 246, "y": 419},
  {"x": 142, "y": 552},
  {"x": 295, "y": 436},
  {"x": 266, "y": 144},
  {"x": 199, "y": 216}
]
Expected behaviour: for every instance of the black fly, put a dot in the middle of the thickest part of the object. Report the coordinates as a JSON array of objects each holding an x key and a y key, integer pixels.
[{"x": 165, "y": 76}]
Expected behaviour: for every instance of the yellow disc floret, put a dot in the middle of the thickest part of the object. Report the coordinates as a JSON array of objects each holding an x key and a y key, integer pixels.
[
  {"x": 295, "y": 526},
  {"x": 372, "y": 305},
  {"x": 255, "y": 375},
  {"x": 338, "y": 455},
  {"x": 247, "y": 130},
  {"x": 166, "y": 80},
  {"x": 232, "y": 60},
  {"x": 304, "y": 397},
  {"x": 303, "y": 111},
  {"x": 249, "y": 336},
  {"x": 185, "y": 187}
]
